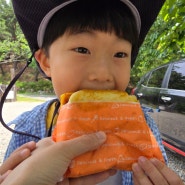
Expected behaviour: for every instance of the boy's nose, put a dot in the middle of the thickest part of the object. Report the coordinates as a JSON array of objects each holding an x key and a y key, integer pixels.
[{"x": 101, "y": 72}]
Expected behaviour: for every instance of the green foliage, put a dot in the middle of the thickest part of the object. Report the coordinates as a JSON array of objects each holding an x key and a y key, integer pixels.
[
  {"x": 172, "y": 42},
  {"x": 165, "y": 41},
  {"x": 12, "y": 40},
  {"x": 41, "y": 86},
  {"x": 18, "y": 48},
  {"x": 4, "y": 9}
]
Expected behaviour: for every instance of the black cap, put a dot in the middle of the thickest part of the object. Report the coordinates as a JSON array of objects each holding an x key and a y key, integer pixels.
[{"x": 33, "y": 16}]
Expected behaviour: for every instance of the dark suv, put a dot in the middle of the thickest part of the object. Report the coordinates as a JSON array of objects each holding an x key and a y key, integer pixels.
[{"x": 163, "y": 90}]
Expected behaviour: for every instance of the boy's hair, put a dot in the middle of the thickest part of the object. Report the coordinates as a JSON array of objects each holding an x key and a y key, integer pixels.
[{"x": 82, "y": 16}]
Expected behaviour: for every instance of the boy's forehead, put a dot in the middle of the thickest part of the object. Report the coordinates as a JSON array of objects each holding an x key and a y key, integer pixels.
[{"x": 93, "y": 34}]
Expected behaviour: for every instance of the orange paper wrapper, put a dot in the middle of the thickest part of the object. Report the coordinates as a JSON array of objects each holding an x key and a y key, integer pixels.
[{"x": 128, "y": 135}]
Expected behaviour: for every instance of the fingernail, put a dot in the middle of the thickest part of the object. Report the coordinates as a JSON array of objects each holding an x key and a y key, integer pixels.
[
  {"x": 101, "y": 135},
  {"x": 135, "y": 167},
  {"x": 142, "y": 159},
  {"x": 24, "y": 152},
  {"x": 153, "y": 160},
  {"x": 31, "y": 143}
]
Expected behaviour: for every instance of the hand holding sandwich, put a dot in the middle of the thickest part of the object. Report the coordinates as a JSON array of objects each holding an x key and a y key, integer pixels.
[
  {"x": 154, "y": 172},
  {"x": 16, "y": 158},
  {"x": 50, "y": 160}
]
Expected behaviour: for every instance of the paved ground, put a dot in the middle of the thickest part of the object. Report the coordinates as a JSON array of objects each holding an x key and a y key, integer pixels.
[{"x": 10, "y": 111}]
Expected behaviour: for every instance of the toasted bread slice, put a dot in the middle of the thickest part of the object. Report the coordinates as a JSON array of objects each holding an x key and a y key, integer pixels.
[{"x": 99, "y": 96}]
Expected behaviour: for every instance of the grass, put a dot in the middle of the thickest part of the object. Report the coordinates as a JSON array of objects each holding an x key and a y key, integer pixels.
[{"x": 27, "y": 99}]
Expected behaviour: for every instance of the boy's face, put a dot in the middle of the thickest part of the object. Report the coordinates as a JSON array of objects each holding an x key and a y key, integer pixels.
[{"x": 87, "y": 60}]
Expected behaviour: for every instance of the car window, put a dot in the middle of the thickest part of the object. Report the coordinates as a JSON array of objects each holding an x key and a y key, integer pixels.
[
  {"x": 177, "y": 78},
  {"x": 156, "y": 77},
  {"x": 144, "y": 80}
]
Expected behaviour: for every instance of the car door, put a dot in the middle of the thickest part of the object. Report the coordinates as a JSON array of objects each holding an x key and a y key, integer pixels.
[
  {"x": 148, "y": 93},
  {"x": 149, "y": 89},
  {"x": 171, "y": 120}
]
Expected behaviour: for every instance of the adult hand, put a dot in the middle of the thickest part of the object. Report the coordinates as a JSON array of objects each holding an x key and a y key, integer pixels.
[
  {"x": 49, "y": 162},
  {"x": 154, "y": 172},
  {"x": 15, "y": 158}
]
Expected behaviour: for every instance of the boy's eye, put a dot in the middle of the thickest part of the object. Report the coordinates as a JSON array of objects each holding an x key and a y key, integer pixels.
[
  {"x": 120, "y": 55},
  {"x": 82, "y": 50}
]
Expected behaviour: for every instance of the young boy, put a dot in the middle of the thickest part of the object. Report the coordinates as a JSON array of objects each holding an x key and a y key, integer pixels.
[{"x": 86, "y": 44}]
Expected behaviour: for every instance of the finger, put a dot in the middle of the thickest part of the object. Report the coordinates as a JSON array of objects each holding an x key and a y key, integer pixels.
[
  {"x": 140, "y": 176},
  {"x": 17, "y": 156},
  {"x": 82, "y": 144},
  {"x": 43, "y": 143},
  {"x": 30, "y": 145},
  {"x": 135, "y": 180},
  {"x": 14, "y": 160},
  {"x": 92, "y": 179},
  {"x": 152, "y": 172},
  {"x": 171, "y": 176},
  {"x": 2, "y": 177}
]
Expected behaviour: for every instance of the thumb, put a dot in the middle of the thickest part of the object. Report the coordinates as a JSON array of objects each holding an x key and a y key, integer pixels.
[{"x": 82, "y": 144}]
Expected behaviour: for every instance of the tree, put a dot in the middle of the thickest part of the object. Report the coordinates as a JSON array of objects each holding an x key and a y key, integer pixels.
[
  {"x": 3, "y": 26},
  {"x": 13, "y": 45},
  {"x": 12, "y": 40},
  {"x": 165, "y": 41}
]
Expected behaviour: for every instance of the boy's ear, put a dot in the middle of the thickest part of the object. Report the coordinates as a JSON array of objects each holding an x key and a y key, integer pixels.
[{"x": 43, "y": 61}]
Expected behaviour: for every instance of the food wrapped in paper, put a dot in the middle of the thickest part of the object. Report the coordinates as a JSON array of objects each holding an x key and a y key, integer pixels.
[{"x": 119, "y": 116}]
